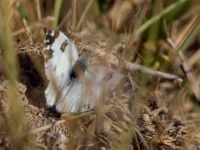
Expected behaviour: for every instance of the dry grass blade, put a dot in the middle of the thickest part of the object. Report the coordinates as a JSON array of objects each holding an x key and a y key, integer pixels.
[
  {"x": 74, "y": 13},
  {"x": 28, "y": 30},
  {"x": 183, "y": 42},
  {"x": 35, "y": 25},
  {"x": 188, "y": 71},
  {"x": 185, "y": 37},
  {"x": 38, "y": 10},
  {"x": 89, "y": 4},
  {"x": 77, "y": 116},
  {"x": 194, "y": 58}
]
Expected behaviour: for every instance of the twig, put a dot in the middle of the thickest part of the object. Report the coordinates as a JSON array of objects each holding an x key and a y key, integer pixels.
[{"x": 132, "y": 67}]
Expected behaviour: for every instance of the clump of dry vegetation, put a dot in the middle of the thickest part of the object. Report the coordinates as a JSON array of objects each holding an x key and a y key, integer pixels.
[{"x": 154, "y": 43}]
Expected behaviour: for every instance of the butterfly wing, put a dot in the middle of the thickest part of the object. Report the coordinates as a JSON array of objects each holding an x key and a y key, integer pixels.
[
  {"x": 83, "y": 94},
  {"x": 60, "y": 55},
  {"x": 69, "y": 98}
]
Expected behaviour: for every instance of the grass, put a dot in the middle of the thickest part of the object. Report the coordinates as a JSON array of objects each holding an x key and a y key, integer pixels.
[
  {"x": 38, "y": 9},
  {"x": 16, "y": 120},
  {"x": 170, "y": 9},
  {"x": 89, "y": 4},
  {"x": 146, "y": 35},
  {"x": 56, "y": 12}
]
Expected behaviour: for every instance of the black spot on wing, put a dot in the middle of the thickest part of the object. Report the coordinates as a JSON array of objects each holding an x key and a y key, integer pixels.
[
  {"x": 49, "y": 39},
  {"x": 50, "y": 36},
  {"x": 63, "y": 46},
  {"x": 72, "y": 75},
  {"x": 78, "y": 69}
]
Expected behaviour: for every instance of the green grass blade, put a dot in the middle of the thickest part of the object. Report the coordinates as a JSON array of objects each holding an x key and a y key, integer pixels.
[
  {"x": 156, "y": 18},
  {"x": 56, "y": 12}
]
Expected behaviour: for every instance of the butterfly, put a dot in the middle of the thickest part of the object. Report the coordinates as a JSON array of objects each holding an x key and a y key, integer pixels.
[{"x": 74, "y": 84}]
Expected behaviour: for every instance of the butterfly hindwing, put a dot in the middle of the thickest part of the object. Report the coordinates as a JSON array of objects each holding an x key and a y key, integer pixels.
[{"x": 74, "y": 85}]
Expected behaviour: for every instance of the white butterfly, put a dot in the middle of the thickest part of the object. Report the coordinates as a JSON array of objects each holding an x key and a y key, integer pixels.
[{"x": 74, "y": 85}]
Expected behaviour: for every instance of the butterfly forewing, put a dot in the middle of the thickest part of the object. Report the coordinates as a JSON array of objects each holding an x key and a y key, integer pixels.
[{"x": 61, "y": 55}]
